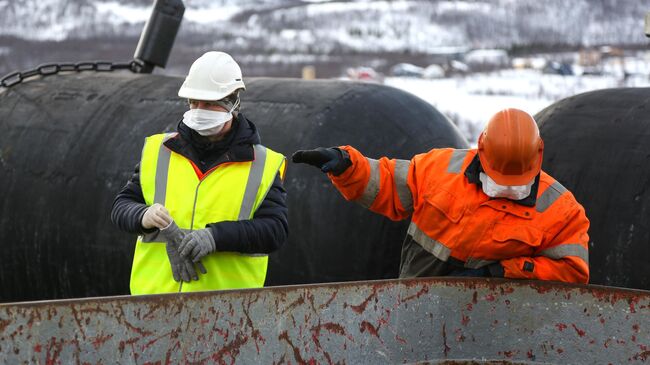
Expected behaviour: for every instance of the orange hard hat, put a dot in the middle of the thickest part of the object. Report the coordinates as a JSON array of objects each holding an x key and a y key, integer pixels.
[{"x": 510, "y": 148}]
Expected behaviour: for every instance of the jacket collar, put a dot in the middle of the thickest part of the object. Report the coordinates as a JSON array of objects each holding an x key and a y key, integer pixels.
[{"x": 474, "y": 169}]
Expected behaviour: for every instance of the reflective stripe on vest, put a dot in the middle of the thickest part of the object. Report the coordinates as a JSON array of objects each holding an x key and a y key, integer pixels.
[
  {"x": 162, "y": 169},
  {"x": 163, "y": 165},
  {"x": 230, "y": 192}
]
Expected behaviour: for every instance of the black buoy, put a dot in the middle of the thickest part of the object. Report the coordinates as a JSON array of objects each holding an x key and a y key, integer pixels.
[
  {"x": 597, "y": 145},
  {"x": 70, "y": 142},
  {"x": 158, "y": 35}
]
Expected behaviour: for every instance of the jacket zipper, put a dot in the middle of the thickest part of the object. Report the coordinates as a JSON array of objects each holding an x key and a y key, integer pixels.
[{"x": 196, "y": 196}]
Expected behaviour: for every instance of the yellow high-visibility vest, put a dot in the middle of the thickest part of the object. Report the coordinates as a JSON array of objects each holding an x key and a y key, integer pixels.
[{"x": 230, "y": 192}]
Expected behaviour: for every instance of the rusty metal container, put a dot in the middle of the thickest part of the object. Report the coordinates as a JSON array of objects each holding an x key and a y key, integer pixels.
[{"x": 450, "y": 321}]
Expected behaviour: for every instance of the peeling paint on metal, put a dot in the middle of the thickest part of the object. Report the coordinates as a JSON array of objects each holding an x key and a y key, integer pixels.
[{"x": 449, "y": 321}]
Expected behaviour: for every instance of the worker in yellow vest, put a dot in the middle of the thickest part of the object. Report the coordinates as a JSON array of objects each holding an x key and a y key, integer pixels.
[{"x": 207, "y": 201}]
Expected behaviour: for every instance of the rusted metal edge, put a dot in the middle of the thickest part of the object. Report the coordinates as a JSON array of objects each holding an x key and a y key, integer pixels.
[{"x": 433, "y": 320}]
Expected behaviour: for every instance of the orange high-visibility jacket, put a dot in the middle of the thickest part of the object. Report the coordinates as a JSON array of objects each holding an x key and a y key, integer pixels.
[{"x": 453, "y": 220}]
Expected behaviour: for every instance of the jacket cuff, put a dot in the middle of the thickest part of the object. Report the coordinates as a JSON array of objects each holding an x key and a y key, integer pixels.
[
  {"x": 349, "y": 171},
  {"x": 352, "y": 182},
  {"x": 496, "y": 270},
  {"x": 226, "y": 236},
  {"x": 344, "y": 164}
]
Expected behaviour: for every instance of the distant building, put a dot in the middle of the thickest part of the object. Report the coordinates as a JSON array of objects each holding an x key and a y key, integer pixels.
[
  {"x": 589, "y": 58},
  {"x": 480, "y": 59}
]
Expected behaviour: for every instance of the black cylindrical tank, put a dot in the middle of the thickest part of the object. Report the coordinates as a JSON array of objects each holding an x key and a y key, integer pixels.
[
  {"x": 70, "y": 142},
  {"x": 597, "y": 145}
]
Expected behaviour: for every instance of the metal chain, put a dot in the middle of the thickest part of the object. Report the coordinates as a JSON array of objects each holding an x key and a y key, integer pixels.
[{"x": 48, "y": 69}]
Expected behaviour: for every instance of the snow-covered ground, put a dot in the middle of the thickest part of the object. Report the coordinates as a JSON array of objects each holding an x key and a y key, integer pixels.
[{"x": 470, "y": 101}]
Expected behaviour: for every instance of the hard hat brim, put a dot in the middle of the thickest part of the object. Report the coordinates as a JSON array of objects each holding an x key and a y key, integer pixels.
[
  {"x": 511, "y": 180},
  {"x": 196, "y": 94}
]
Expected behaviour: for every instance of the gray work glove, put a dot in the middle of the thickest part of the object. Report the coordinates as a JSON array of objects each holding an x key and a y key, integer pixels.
[
  {"x": 182, "y": 269},
  {"x": 197, "y": 244}
]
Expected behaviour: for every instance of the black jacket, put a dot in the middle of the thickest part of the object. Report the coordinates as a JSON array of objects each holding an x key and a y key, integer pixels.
[{"x": 265, "y": 233}]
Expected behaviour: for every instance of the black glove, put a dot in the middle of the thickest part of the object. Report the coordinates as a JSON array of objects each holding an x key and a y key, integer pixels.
[{"x": 331, "y": 160}]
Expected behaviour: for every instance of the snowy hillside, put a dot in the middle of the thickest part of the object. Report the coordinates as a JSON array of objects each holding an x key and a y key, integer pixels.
[
  {"x": 331, "y": 26},
  {"x": 469, "y": 101}
]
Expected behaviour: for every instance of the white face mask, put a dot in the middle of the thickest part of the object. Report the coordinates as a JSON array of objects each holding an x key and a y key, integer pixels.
[
  {"x": 513, "y": 192},
  {"x": 207, "y": 122}
]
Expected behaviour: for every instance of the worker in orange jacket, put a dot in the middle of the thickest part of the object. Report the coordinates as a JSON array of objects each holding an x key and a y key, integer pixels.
[{"x": 489, "y": 211}]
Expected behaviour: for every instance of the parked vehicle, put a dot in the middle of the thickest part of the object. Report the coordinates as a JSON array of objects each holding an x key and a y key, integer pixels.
[
  {"x": 406, "y": 70},
  {"x": 433, "y": 72}
]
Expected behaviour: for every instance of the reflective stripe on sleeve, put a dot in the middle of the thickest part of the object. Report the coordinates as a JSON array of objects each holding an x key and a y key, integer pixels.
[
  {"x": 549, "y": 196},
  {"x": 456, "y": 161},
  {"x": 567, "y": 249},
  {"x": 403, "y": 191},
  {"x": 372, "y": 189},
  {"x": 432, "y": 246}
]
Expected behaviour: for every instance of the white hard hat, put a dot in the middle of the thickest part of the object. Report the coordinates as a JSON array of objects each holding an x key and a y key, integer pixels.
[{"x": 212, "y": 76}]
